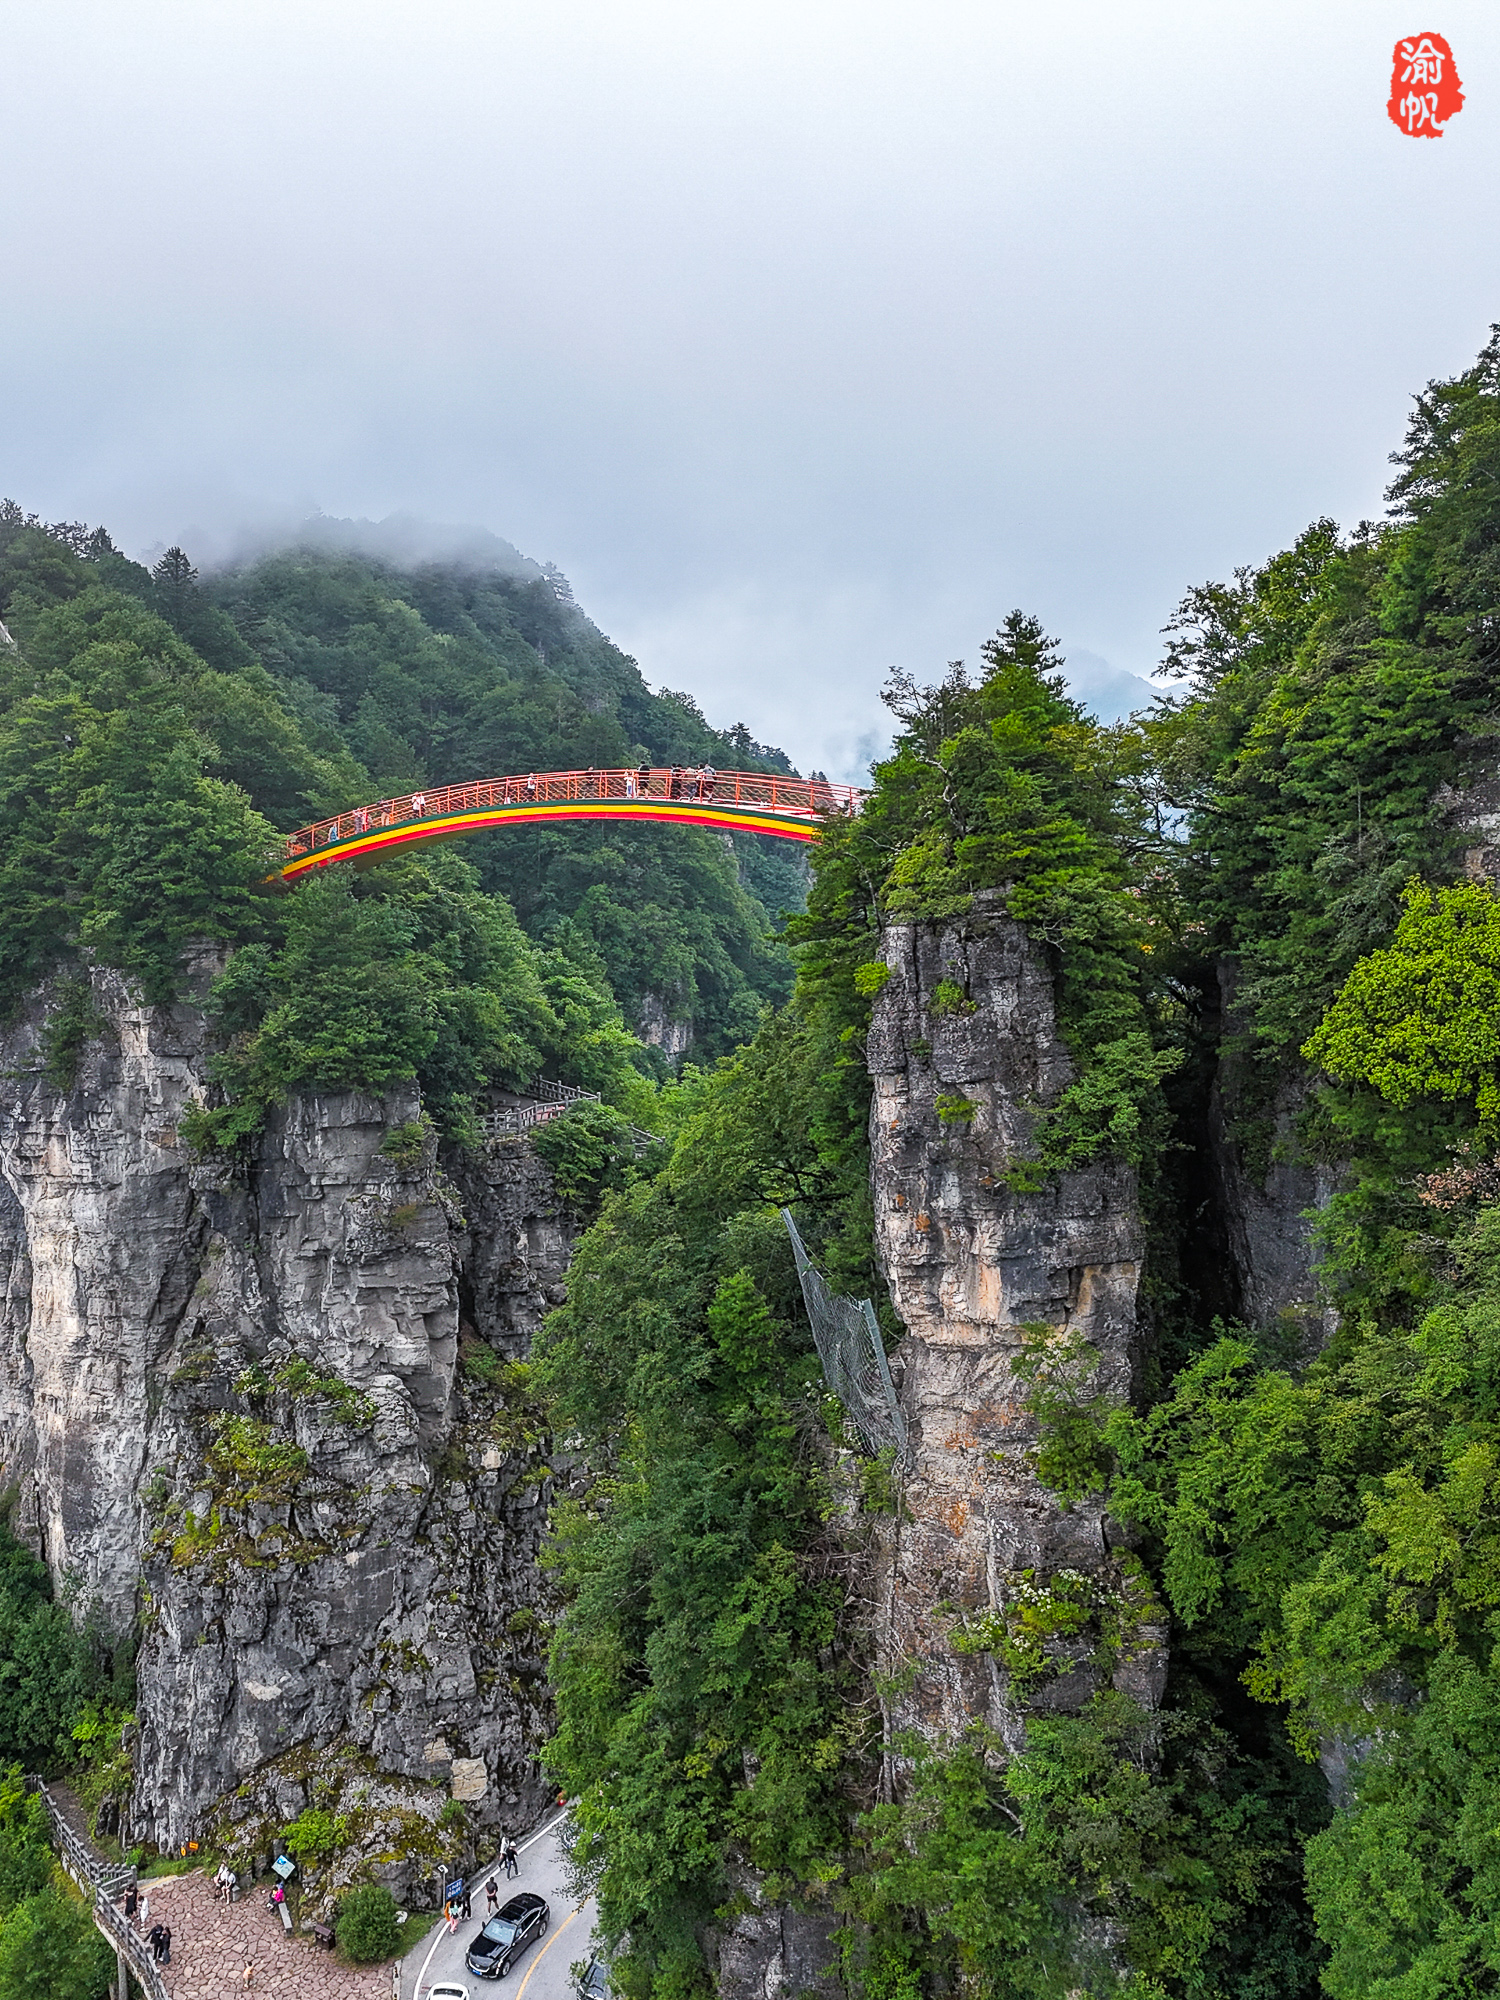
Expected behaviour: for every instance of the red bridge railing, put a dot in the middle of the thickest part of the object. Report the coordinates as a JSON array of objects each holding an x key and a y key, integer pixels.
[{"x": 751, "y": 791}]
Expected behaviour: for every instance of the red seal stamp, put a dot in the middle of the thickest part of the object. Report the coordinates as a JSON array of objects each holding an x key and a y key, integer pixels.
[{"x": 1425, "y": 88}]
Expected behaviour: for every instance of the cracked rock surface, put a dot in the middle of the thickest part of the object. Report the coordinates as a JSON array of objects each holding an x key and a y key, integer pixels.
[
  {"x": 274, "y": 1411},
  {"x": 970, "y": 1264}
]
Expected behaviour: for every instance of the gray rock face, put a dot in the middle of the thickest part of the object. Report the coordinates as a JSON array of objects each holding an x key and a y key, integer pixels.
[
  {"x": 771, "y": 1952},
  {"x": 970, "y": 1263},
  {"x": 232, "y": 1403},
  {"x": 660, "y": 1028},
  {"x": 1268, "y": 1206}
]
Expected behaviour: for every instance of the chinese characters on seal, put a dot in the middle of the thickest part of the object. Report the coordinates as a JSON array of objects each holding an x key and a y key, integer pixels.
[{"x": 1425, "y": 87}]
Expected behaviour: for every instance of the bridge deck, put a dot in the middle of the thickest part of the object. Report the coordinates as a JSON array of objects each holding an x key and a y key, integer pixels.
[{"x": 734, "y": 801}]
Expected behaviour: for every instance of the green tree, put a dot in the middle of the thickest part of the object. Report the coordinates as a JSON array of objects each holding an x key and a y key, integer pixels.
[
  {"x": 26, "y": 1859},
  {"x": 694, "y": 1717},
  {"x": 43, "y": 1662},
  {"x": 365, "y": 1924},
  {"x": 1421, "y": 1018},
  {"x": 49, "y": 1947}
]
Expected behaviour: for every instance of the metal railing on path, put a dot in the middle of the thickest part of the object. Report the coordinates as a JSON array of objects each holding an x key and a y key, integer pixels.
[
  {"x": 544, "y": 1101},
  {"x": 765, "y": 802},
  {"x": 104, "y": 1881}
]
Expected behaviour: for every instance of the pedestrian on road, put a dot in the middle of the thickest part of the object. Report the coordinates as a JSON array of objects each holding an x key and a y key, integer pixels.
[
  {"x": 145, "y": 1909},
  {"x": 165, "y": 1954},
  {"x": 467, "y": 1909},
  {"x": 492, "y": 1895},
  {"x": 153, "y": 1938},
  {"x": 451, "y": 1913},
  {"x": 511, "y": 1858},
  {"x": 132, "y": 1899}
]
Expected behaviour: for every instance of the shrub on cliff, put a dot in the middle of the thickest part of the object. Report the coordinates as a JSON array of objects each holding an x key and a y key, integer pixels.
[
  {"x": 587, "y": 1149},
  {"x": 366, "y": 1924}
]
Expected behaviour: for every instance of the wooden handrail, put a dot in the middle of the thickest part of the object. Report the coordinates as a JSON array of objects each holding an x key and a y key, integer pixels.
[
  {"x": 105, "y": 1880},
  {"x": 807, "y": 799}
]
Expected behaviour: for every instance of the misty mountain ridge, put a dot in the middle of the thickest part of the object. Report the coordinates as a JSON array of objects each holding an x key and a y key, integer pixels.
[{"x": 1111, "y": 693}]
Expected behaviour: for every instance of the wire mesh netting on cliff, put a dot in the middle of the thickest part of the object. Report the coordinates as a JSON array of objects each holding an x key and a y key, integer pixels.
[{"x": 853, "y": 1356}]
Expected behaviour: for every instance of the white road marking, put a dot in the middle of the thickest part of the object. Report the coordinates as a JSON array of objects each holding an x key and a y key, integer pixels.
[{"x": 439, "y": 1928}]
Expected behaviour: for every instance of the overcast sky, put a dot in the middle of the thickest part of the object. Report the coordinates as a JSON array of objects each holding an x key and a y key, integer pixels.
[{"x": 806, "y": 338}]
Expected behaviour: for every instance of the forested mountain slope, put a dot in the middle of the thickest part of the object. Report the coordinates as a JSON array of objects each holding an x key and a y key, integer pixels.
[
  {"x": 1184, "y": 1039},
  {"x": 159, "y": 728}
]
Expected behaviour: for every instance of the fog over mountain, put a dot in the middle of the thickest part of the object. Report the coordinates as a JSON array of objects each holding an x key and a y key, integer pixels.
[
  {"x": 804, "y": 341},
  {"x": 407, "y": 540}
]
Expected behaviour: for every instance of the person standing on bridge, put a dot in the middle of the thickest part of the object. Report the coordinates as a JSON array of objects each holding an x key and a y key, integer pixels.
[
  {"x": 531, "y": 786},
  {"x": 419, "y": 803}
]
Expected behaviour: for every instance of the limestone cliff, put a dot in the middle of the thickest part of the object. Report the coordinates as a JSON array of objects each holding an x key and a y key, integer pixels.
[
  {"x": 233, "y": 1407},
  {"x": 970, "y": 1263}
]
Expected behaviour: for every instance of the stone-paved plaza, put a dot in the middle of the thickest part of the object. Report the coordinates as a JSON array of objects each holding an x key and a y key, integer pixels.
[{"x": 211, "y": 1942}]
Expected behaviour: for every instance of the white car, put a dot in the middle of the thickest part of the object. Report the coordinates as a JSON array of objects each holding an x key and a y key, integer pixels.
[{"x": 448, "y": 1991}]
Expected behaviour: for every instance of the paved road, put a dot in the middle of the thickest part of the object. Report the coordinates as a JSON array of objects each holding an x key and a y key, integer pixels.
[{"x": 543, "y": 1974}]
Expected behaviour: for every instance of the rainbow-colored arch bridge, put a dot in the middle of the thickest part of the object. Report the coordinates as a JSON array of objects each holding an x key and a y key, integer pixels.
[{"x": 727, "y": 801}]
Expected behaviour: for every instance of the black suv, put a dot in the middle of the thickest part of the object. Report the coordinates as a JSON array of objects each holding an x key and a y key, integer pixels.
[{"x": 513, "y": 1929}]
